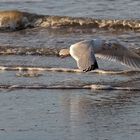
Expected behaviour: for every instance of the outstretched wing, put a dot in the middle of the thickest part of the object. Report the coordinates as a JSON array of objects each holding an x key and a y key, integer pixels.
[
  {"x": 116, "y": 51},
  {"x": 83, "y": 53}
]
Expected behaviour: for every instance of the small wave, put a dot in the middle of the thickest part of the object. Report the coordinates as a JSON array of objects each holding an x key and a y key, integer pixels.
[
  {"x": 12, "y": 50},
  {"x": 15, "y": 20},
  {"x": 92, "y": 87},
  {"x": 19, "y": 50},
  {"x": 31, "y": 68}
]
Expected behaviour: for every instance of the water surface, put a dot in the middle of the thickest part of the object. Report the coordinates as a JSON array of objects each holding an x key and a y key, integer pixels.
[{"x": 72, "y": 114}]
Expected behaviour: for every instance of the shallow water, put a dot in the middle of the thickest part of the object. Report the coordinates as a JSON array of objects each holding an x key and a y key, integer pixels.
[{"x": 71, "y": 113}]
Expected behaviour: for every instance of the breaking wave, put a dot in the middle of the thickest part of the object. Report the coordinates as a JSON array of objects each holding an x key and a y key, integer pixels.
[
  {"x": 30, "y": 71},
  {"x": 36, "y": 69},
  {"x": 15, "y": 20},
  {"x": 92, "y": 87},
  {"x": 23, "y": 50},
  {"x": 18, "y": 50}
]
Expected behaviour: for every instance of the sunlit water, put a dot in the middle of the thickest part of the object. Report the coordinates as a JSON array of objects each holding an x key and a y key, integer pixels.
[{"x": 68, "y": 114}]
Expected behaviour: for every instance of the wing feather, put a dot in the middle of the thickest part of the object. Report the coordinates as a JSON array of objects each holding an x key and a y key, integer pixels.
[
  {"x": 117, "y": 52},
  {"x": 83, "y": 53}
]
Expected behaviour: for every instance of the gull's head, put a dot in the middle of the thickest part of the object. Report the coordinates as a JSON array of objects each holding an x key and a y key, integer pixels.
[{"x": 64, "y": 53}]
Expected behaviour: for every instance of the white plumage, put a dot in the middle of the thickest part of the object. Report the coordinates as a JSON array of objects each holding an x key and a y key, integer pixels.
[{"x": 84, "y": 53}]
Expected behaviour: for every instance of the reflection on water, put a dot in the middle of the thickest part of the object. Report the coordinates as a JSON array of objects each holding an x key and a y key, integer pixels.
[
  {"x": 103, "y": 117},
  {"x": 70, "y": 114}
]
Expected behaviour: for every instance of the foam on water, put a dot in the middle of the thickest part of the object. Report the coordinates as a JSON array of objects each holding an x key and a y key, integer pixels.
[
  {"x": 57, "y": 87},
  {"x": 17, "y": 20}
]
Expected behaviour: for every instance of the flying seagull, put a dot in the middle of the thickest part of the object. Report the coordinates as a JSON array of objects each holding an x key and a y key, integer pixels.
[{"x": 84, "y": 53}]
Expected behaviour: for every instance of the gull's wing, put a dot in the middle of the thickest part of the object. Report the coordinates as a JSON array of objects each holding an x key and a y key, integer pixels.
[
  {"x": 116, "y": 51},
  {"x": 83, "y": 53}
]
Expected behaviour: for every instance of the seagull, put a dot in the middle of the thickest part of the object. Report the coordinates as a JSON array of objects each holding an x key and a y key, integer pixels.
[{"x": 84, "y": 53}]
